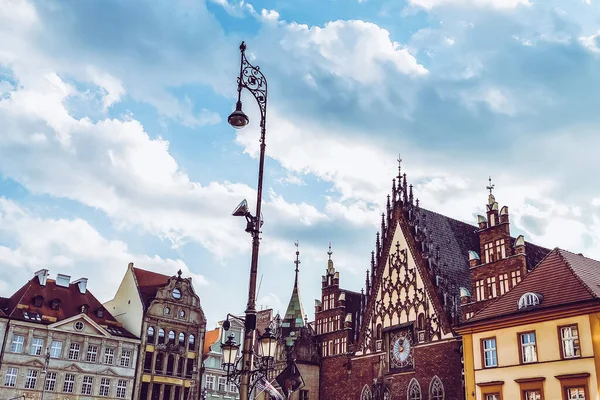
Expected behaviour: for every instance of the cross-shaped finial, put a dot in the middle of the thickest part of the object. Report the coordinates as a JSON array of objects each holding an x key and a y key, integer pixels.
[
  {"x": 491, "y": 186},
  {"x": 330, "y": 252}
]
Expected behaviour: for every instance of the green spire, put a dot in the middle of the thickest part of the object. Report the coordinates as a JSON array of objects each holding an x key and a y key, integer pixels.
[{"x": 294, "y": 316}]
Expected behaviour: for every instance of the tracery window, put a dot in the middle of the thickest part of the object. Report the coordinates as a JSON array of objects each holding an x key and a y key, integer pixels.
[
  {"x": 414, "y": 390},
  {"x": 366, "y": 393},
  {"x": 436, "y": 389}
]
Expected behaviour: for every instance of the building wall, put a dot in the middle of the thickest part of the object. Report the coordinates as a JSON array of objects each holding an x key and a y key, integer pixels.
[
  {"x": 127, "y": 306},
  {"x": 549, "y": 364},
  {"x": 24, "y": 361},
  {"x": 213, "y": 365}
]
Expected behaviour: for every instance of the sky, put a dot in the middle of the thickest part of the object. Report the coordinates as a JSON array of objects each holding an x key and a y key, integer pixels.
[{"x": 115, "y": 147}]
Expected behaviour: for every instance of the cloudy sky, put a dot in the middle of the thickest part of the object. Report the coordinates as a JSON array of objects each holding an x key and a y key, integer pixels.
[{"x": 114, "y": 145}]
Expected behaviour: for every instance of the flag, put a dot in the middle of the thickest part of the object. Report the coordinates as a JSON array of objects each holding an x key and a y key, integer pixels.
[{"x": 263, "y": 385}]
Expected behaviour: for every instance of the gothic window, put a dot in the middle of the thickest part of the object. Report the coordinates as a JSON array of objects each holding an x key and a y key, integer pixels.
[
  {"x": 366, "y": 393},
  {"x": 491, "y": 287},
  {"x": 414, "y": 390},
  {"x": 436, "y": 389},
  {"x": 421, "y": 322},
  {"x": 503, "y": 280},
  {"x": 479, "y": 290},
  {"x": 378, "y": 337}
]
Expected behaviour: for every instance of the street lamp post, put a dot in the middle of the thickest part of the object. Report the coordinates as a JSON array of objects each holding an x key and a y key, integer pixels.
[
  {"x": 252, "y": 79},
  {"x": 45, "y": 372}
]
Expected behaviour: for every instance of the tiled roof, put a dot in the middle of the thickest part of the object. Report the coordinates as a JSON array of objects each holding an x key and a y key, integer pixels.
[
  {"x": 294, "y": 316},
  {"x": 20, "y": 306},
  {"x": 455, "y": 238},
  {"x": 562, "y": 278},
  {"x": 210, "y": 338},
  {"x": 148, "y": 283}
]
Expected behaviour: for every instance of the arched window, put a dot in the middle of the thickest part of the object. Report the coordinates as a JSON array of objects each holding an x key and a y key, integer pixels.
[
  {"x": 167, "y": 311},
  {"x": 161, "y": 335},
  {"x": 378, "y": 333},
  {"x": 150, "y": 338},
  {"x": 421, "y": 322},
  {"x": 181, "y": 339},
  {"x": 171, "y": 337},
  {"x": 414, "y": 390},
  {"x": 191, "y": 342},
  {"x": 436, "y": 389},
  {"x": 181, "y": 314},
  {"x": 366, "y": 393},
  {"x": 530, "y": 299}
]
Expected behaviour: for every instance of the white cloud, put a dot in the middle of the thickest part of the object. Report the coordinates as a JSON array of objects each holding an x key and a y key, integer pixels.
[
  {"x": 72, "y": 247},
  {"x": 499, "y": 4},
  {"x": 497, "y": 99},
  {"x": 591, "y": 42},
  {"x": 112, "y": 87}
]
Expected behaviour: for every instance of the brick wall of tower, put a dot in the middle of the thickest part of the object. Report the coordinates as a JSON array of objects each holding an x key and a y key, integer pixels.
[{"x": 442, "y": 359}]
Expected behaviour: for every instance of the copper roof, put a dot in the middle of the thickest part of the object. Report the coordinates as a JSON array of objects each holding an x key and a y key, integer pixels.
[
  {"x": 562, "y": 278},
  {"x": 21, "y": 305},
  {"x": 148, "y": 283}
]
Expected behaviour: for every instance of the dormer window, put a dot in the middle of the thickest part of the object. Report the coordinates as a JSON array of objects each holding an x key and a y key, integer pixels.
[
  {"x": 38, "y": 301},
  {"x": 100, "y": 312},
  {"x": 530, "y": 299}
]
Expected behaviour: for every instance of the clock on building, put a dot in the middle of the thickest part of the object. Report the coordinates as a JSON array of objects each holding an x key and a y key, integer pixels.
[{"x": 401, "y": 350}]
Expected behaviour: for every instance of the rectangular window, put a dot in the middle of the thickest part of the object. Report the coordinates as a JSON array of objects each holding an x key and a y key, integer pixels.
[
  {"x": 304, "y": 395},
  {"x": 533, "y": 395},
  {"x": 104, "y": 387},
  {"x": 325, "y": 302},
  {"x": 86, "y": 386},
  {"x": 528, "y": 350},
  {"x": 500, "y": 250},
  {"x": 36, "y": 346},
  {"x": 50, "y": 383},
  {"x": 74, "y": 351},
  {"x": 56, "y": 349},
  {"x": 503, "y": 280},
  {"x": 569, "y": 337},
  {"x": 125, "y": 358},
  {"x": 17, "y": 344},
  {"x": 10, "y": 379},
  {"x": 479, "y": 290},
  {"x": 324, "y": 349},
  {"x": 31, "y": 379},
  {"x": 210, "y": 382},
  {"x": 92, "y": 354},
  {"x": 491, "y": 287},
  {"x": 488, "y": 249},
  {"x": 69, "y": 383},
  {"x": 109, "y": 355},
  {"x": 492, "y": 396},
  {"x": 576, "y": 393},
  {"x": 121, "y": 388},
  {"x": 232, "y": 388},
  {"x": 490, "y": 356},
  {"x": 515, "y": 277},
  {"x": 222, "y": 384},
  {"x": 332, "y": 301},
  {"x": 343, "y": 345}
]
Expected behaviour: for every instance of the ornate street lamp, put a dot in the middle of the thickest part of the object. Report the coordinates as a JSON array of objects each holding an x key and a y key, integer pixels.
[{"x": 252, "y": 79}]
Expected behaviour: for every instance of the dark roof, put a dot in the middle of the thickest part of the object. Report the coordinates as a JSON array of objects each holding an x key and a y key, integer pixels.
[
  {"x": 148, "y": 283},
  {"x": 562, "y": 278},
  {"x": 3, "y": 303},
  {"x": 455, "y": 238},
  {"x": 20, "y": 306}
]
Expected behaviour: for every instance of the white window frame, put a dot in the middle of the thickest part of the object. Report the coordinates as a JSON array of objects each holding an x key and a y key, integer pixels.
[
  {"x": 571, "y": 346},
  {"x": 121, "y": 388},
  {"x": 491, "y": 286},
  {"x": 125, "y": 358},
  {"x": 222, "y": 383},
  {"x": 37, "y": 344},
  {"x": 69, "y": 383},
  {"x": 109, "y": 355},
  {"x": 527, "y": 342},
  {"x": 50, "y": 381},
  {"x": 104, "y": 389},
  {"x": 87, "y": 385},
  {"x": 503, "y": 283},
  {"x": 16, "y": 346},
  {"x": 210, "y": 382},
  {"x": 31, "y": 379},
  {"x": 578, "y": 394},
  {"x": 92, "y": 354},
  {"x": 10, "y": 378},
  {"x": 492, "y": 349},
  {"x": 56, "y": 349},
  {"x": 74, "y": 349}
]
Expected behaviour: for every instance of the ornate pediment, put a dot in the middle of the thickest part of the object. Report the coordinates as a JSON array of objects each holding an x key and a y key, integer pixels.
[
  {"x": 108, "y": 371},
  {"x": 171, "y": 348},
  {"x": 73, "y": 368},
  {"x": 35, "y": 363}
]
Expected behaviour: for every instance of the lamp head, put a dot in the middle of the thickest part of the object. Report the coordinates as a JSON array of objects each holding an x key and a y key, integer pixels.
[{"x": 238, "y": 119}]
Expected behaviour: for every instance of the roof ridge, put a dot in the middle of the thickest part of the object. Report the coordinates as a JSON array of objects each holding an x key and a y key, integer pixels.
[
  {"x": 26, "y": 288},
  {"x": 152, "y": 272},
  {"x": 568, "y": 264}
]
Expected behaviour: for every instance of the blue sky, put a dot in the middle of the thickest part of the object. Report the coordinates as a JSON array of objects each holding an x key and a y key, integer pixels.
[{"x": 114, "y": 145}]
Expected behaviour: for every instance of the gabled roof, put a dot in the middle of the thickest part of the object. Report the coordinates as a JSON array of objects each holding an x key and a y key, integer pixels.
[
  {"x": 20, "y": 306},
  {"x": 562, "y": 278},
  {"x": 148, "y": 283},
  {"x": 210, "y": 338}
]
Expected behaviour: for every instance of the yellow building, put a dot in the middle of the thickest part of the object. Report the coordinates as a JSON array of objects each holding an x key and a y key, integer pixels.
[{"x": 541, "y": 340}]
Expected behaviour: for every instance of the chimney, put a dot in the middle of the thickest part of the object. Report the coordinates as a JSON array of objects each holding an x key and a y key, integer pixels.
[
  {"x": 82, "y": 284},
  {"x": 63, "y": 280},
  {"x": 42, "y": 276}
]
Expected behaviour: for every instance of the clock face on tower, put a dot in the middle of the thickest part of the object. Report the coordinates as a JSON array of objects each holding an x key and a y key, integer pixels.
[{"x": 401, "y": 350}]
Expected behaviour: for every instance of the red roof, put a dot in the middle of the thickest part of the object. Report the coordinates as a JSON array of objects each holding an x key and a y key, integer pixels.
[
  {"x": 148, "y": 283},
  {"x": 3, "y": 303},
  {"x": 210, "y": 338},
  {"x": 562, "y": 278},
  {"x": 22, "y": 305}
]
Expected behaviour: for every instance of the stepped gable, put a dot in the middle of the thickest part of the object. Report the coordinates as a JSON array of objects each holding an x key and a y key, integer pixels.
[
  {"x": 148, "y": 283},
  {"x": 50, "y": 302},
  {"x": 562, "y": 278}
]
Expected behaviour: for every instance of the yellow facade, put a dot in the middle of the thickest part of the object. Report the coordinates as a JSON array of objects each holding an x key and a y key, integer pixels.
[{"x": 511, "y": 376}]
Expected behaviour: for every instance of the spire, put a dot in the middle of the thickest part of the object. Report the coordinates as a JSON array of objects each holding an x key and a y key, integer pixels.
[
  {"x": 404, "y": 191},
  {"x": 330, "y": 269},
  {"x": 294, "y": 316},
  {"x": 368, "y": 284},
  {"x": 399, "y": 168}
]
